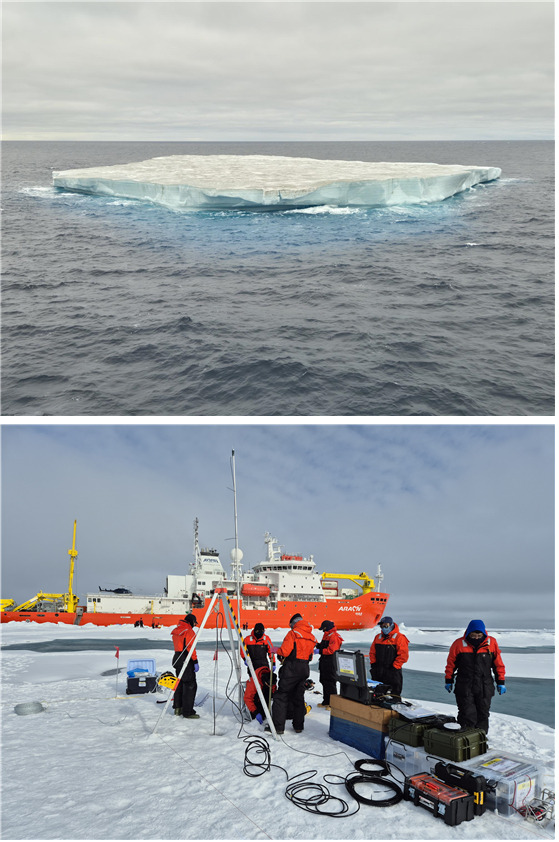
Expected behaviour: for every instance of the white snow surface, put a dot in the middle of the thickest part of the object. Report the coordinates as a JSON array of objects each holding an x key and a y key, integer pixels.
[
  {"x": 269, "y": 181},
  {"x": 91, "y": 767}
]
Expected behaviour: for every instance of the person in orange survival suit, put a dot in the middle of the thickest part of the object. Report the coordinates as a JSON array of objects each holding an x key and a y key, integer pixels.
[
  {"x": 185, "y": 692},
  {"x": 473, "y": 660},
  {"x": 294, "y": 654},
  {"x": 389, "y": 651},
  {"x": 330, "y": 643},
  {"x": 259, "y": 647},
  {"x": 251, "y": 697}
]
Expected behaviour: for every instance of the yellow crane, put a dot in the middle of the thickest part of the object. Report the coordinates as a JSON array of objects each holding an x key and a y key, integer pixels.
[
  {"x": 65, "y": 601},
  {"x": 365, "y": 582},
  {"x": 6, "y": 604}
]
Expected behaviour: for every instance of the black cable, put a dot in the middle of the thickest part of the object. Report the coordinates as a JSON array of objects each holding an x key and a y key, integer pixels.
[
  {"x": 381, "y": 767},
  {"x": 256, "y": 749},
  {"x": 383, "y": 783},
  {"x": 311, "y": 797},
  {"x": 314, "y": 797}
]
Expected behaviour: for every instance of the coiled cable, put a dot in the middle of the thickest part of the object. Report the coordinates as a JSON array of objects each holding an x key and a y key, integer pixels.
[
  {"x": 380, "y": 786},
  {"x": 316, "y": 798}
]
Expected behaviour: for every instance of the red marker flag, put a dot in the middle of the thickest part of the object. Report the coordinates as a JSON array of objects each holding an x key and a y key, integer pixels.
[{"x": 117, "y": 652}]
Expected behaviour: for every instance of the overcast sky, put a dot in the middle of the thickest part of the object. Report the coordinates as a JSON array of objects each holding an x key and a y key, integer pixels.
[
  {"x": 460, "y": 517},
  {"x": 277, "y": 70}
]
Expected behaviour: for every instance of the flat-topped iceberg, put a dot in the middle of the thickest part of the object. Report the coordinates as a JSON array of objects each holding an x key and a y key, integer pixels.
[{"x": 267, "y": 181}]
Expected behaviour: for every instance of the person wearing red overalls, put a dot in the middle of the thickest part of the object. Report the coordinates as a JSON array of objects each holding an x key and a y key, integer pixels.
[
  {"x": 294, "y": 654},
  {"x": 185, "y": 692},
  {"x": 328, "y": 646}
]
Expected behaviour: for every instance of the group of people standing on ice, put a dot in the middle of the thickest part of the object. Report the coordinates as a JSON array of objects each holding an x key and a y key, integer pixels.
[{"x": 474, "y": 666}]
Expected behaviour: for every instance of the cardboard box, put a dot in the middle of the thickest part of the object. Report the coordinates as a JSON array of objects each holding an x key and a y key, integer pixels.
[{"x": 370, "y": 716}]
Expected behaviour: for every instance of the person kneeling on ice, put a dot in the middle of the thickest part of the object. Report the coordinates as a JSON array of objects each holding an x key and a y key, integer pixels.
[
  {"x": 251, "y": 697},
  {"x": 389, "y": 651},
  {"x": 259, "y": 647},
  {"x": 185, "y": 692},
  {"x": 330, "y": 643},
  {"x": 294, "y": 654},
  {"x": 473, "y": 660}
]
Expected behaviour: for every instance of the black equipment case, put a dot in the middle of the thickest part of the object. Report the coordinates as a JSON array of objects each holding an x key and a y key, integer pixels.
[
  {"x": 455, "y": 745},
  {"x": 140, "y": 684},
  {"x": 476, "y": 785},
  {"x": 448, "y": 803},
  {"x": 351, "y": 672},
  {"x": 379, "y": 695}
]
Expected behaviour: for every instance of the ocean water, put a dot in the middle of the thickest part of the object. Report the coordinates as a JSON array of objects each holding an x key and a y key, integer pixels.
[
  {"x": 530, "y": 698},
  {"x": 115, "y": 307}
]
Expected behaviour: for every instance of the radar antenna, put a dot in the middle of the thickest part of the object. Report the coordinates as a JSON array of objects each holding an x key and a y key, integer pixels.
[
  {"x": 196, "y": 547},
  {"x": 379, "y": 577}
]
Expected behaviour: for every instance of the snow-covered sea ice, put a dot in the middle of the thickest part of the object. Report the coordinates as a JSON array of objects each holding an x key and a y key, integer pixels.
[{"x": 90, "y": 766}]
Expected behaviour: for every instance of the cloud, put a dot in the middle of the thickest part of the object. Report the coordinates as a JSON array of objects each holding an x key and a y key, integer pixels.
[
  {"x": 458, "y": 516},
  {"x": 228, "y": 71}
]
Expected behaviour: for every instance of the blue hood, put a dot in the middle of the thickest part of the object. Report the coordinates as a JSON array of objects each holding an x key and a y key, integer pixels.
[{"x": 475, "y": 625}]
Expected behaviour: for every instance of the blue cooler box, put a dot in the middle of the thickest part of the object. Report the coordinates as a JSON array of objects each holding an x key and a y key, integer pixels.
[
  {"x": 365, "y": 739},
  {"x": 141, "y": 676}
]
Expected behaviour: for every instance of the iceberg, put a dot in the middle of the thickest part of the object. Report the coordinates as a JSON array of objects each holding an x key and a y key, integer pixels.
[{"x": 212, "y": 182}]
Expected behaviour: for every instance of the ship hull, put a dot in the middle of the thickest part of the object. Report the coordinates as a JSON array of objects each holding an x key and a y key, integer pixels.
[{"x": 363, "y": 612}]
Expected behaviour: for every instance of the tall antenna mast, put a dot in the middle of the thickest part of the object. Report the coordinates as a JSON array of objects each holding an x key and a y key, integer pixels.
[{"x": 236, "y": 553}]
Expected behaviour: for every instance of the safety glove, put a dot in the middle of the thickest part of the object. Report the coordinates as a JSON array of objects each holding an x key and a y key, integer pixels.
[
  {"x": 502, "y": 689},
  {"x": 448, "y": 686}
]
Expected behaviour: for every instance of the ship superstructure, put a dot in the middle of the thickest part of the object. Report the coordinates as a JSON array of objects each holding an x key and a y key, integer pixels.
[{"x": 271, "y": 592}]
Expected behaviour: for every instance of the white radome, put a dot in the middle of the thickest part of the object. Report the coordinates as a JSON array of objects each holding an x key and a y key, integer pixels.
[
  {"x": 236, "y": 555},
  {"x": 267, "y": 181}
]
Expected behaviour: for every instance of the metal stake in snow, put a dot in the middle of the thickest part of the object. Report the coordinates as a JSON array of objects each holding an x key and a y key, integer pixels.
[
  {"x": 220, "y": 595},
  {"x": 117, "y": 654}
]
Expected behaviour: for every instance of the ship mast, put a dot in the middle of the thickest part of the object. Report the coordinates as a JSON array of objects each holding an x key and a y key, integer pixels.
[
  {"x": 69, "y": 598},
  {"x": 236, "y": 553}
]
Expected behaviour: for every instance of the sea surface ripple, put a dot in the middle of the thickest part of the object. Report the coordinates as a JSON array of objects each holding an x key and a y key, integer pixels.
[{"x": 116, "y": 307}]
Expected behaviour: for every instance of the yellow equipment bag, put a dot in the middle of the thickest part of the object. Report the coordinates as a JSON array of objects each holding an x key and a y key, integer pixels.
[{"x": 167, "y": 679}]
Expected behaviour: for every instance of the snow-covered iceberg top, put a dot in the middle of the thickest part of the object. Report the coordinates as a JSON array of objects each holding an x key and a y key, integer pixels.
[{"x": 242, "y": 181}]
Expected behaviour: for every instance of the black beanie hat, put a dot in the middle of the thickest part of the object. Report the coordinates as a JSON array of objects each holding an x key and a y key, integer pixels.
[
  {"x": 388, "y": 620},
  {"x": 190, "y": 618},
  {"x": 326, "y": 625},
  {"x": 259, "y": 627},
  {"x": 295, "y": 619}
]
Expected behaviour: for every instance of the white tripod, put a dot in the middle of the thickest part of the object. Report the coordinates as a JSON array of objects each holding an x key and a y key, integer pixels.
[{"x": 220, "y": 596}]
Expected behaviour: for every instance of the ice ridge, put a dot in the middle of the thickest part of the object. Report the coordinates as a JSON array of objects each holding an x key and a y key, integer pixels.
[{"x": 265, "y": 181}]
